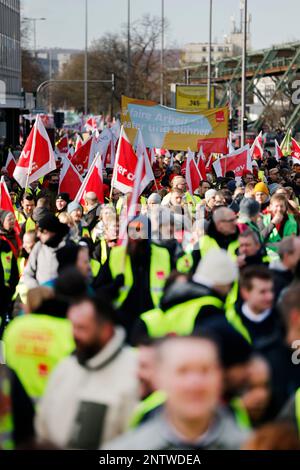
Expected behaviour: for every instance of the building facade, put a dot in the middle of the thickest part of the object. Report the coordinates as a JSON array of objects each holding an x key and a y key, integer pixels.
[{"x": 10, "y": 71}]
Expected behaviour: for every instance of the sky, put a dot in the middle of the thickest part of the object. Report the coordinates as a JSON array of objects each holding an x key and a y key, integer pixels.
[{"x": 273, "y": 21}]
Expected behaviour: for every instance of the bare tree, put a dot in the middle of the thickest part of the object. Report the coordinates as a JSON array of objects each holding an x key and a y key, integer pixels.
[{"x": 108, "y": 55}]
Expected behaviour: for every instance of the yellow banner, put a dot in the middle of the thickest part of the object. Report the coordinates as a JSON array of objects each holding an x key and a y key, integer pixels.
[{"x": 169, "y": 128}]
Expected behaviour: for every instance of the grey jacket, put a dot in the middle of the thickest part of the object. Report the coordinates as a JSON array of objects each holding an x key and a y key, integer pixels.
[
  {"x": 42, "y": 265},
  {"x": 157, "y": 434}
]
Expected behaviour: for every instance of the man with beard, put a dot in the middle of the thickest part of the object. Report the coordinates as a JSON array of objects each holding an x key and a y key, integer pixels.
[
  {"x": 134, "y": 275},
  {"x": 93, "y": 392}
]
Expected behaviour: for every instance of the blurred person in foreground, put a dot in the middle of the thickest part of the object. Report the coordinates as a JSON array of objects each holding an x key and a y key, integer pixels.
[
  {"x": 91, "y": 394},
  {"x": 189, "y": 372}
]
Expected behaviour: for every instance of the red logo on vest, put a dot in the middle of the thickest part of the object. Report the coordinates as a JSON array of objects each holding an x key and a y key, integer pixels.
[
  {"x": 43, "y": 369},
  {"x": 160, "y": 274}
]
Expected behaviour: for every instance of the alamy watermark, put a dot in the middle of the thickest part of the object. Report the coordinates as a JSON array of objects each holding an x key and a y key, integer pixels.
[
  {"x": 296, "y": 93},
  {"x": 296, "y": 353}
]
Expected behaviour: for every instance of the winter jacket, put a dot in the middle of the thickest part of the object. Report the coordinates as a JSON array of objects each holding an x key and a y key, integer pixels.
[
  {"x": 158, "y": 434},
  {"x": 42, "y": 264},
  {"x": 87, "y": 405}
]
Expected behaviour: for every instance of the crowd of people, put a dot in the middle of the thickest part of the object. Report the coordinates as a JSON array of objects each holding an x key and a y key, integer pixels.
[{"x": 183, "y": 336}]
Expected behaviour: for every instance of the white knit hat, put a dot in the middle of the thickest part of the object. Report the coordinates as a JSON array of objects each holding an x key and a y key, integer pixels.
[
  {"x": 216, "y": 268},
  {"x": 209, "y": 194}
]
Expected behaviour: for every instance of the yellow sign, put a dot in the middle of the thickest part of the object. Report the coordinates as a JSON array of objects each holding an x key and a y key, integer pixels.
[
  {"x": 193, "y": 97},
  {"x": 169, "y": 128}
]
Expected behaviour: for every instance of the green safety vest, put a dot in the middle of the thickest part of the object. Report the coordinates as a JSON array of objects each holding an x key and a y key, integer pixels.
[
  {"x": 207, "y": 243},
  {"x": 290, "y": 228},
  {"x": 6, "y": 259},
  {"x": 151, "y": 402},
  {"x": 34, "y": 344},
  {"x": 160, "y": 268},
  {"x": 179, "y": 319},
  {"x": 6, "y": 419},
  {"x": 297, "y": 409}
]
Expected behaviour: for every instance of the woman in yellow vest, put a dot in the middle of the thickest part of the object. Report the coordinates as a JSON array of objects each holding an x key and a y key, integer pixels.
[{"x": 9, "y": 274}]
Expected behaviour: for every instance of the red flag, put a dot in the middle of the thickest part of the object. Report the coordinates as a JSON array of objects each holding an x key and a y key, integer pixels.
[
  {"x": 6, "y": 204},
  {"x": 83, "y": 156},
  {"x": 63, "y": 145},
  {"x": 295, "y": 149},
  {"x": 79, "y": 143},
  {"x": 278, "y": 151},
  {"x": 92, "y": 182},
  {"x": 10, "y": 164},
  {"x": 141, "y": 152},
  {"x": 192, "y": 174},
  {"x": 91, "y": 123},
  {"x": 37, "y": 158},
  {"x": 132, "y": 204},
  {"x": 256, "y": 150},
  {"x": 125, "y": 165},
  {"x": 69, "y": 180},
  {"x": 238, "y": 162},
  {"x": 201, "y": 164}
]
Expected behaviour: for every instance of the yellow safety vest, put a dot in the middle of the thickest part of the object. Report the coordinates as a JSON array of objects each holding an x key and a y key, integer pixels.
[
  {"x": 232, "y": 315},
  {"x": 21, "y": 219},
  {"x": 6, "y": 259},
  {"x": 297, "y": 409},
  {"x": 151, "y": 402},
  {"x": 6, "y": 419},
  {"x": 185, "y": 263},
  {"x": 85, "y": 232},
  {"x": 34, "y": 344},
  {"x": 29, "y": 225},
  {"x": 240, "y": 413},
  {"x": 95, "y": 267},
  {"x": 179, "y": 319},
  {"x": 207, "y": 243},
  {"x": 21, "y": 289},
  {"x": 160, "y": 268}
]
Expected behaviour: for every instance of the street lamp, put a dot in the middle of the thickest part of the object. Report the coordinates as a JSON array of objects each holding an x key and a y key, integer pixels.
[
  {"x": 128, "y": 50},
  {"x": 34, "y": 20},
  {"x": 162, "y": 52},
  {"x": 244, "y": 56},
  {"x": 209, "y": 57},
  {"x": 86, "y": 61}
]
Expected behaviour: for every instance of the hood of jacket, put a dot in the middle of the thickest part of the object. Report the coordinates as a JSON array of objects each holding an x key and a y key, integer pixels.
[
  {"x": 180, "y": 292},
  {"x": 109, "y": 352}
]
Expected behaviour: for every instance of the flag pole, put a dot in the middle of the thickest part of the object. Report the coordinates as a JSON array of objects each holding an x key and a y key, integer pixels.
[
  {"x": 115, "y": 165},
  {"x": 32, "y": 151}
]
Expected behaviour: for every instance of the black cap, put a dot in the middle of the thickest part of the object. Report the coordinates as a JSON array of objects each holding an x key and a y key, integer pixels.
[{"x": 64, "y": 196}]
